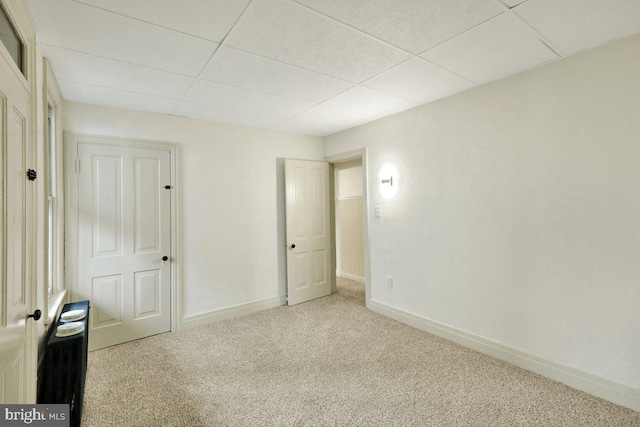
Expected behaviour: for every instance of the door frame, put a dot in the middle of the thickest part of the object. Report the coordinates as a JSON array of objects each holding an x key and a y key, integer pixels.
[
  {"x": 344, "y": 157},
  {"x": 72, "y": 141}
]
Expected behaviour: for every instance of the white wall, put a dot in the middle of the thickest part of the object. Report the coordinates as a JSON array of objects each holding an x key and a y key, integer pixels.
[
  {"x": 517, "y": 217},
  {"x": 349, "y": 179},
  {"x": 232, "y": 187}
]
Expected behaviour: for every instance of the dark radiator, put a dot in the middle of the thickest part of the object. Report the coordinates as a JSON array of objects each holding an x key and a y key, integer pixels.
[{"x": 64, "y": 368}]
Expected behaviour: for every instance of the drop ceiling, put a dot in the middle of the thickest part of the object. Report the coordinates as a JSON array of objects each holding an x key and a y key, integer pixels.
[{"x": 307, "y": 66}]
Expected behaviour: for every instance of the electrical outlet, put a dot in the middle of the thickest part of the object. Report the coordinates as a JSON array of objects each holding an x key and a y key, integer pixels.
[
  {"x": 389, "y": 282},
  {"x": 378, "y": 211}
]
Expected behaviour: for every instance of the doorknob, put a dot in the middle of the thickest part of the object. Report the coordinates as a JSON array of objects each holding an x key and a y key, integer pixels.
[
  {"x": 165, "y": 258},
  {"x": 293, "y": 246},
  {"x": 36, "y": 315}
]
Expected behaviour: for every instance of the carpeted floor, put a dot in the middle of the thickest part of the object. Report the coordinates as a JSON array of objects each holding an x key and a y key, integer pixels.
[{"x": 328, "y": 362}]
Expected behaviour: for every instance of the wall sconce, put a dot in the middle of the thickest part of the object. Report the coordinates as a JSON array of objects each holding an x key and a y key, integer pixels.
[{"x": 386, "y": 176}]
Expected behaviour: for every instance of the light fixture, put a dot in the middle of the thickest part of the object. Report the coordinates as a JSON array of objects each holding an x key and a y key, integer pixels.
[{"x": 386, "y": 176}]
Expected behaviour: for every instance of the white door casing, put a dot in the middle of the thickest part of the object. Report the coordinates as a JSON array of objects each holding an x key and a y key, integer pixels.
[
  {"x": 124, "y": 231},
  {"x": 308, "y": 230},
  {"x": 17, "y": 349}
]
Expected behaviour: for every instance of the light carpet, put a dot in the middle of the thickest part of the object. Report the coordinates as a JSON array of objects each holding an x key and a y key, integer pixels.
[{"x": 327, "y": 362}]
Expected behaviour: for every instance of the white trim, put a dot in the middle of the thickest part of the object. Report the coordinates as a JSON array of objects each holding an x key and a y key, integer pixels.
[
  {"x": 71, "y": 142},
  {"x": 352, "y": 155},
  {"x": 359, "y": 279},
  {"x": 614, "y": 392},
  {"x": 230, "y": 312}
]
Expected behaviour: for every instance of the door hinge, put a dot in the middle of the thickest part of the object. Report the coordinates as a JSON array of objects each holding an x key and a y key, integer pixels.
[
  {"x": 78, "y": 166},
  {"x": 31, "y": 174}
]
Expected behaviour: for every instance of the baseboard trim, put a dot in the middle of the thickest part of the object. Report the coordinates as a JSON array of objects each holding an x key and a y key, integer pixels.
[
  {"x": 609, "y": 390},
  {"x": 194, "y": 320},
  {"x": 355, "y": 277}
]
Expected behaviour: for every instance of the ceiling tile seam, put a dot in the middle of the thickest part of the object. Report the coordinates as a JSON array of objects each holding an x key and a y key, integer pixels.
[
  {"x": 294, "y": 116},
  {"x": 474, "y": 83},
  {"x": 390, "y": 44},
  {"x": 501, "y": 4},
  {"x": 222, "y": 43},
  {"x": 118, "y": 89},
  {"x": 389, "y": 94},
  {"x": 196, "y": 79},
  {"x": 236, "y": 21},
  {"x": 344, "y": 24},
  {"x": 314, "y": 103},
  {"x": 324, "y": 106},
  {"x": 464, "y": 32},
  {"x": 237, "y": 110},
  {"x": 289, "y": 64},
  {"x": 537, "y": 33},
  {"x": 142, "y": 20},
  {"x": 320, "y": 104},
  {"x": 330, "y": 18},
  {"x": 387, "y": 70},
  {"x": 410, "y": 59},
  {"x": 225, "y": 44},
  {"x": 413, "y": 101},
  {"x": 119, "y": 60},
  {"x": 263, "y": 92}
]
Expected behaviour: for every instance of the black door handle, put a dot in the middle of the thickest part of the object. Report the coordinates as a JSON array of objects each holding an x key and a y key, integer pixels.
[
  {"x": 165, "y": 258},
  {"x": 293, "y": 246},
  {"x": 36, "y": 315}
]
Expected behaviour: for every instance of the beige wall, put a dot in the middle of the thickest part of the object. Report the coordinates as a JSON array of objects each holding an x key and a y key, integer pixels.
[{"x": 517, "y": 213}]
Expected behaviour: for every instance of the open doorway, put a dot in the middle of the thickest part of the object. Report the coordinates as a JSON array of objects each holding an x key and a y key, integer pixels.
[{"x": 349, "y": 211}]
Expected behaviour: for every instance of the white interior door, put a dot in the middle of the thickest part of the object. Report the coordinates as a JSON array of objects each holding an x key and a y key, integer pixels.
[
  {"x": 17, "y": 353},
  {"x": 308, "y": 230},
  {"x": 124, "y": 232}
]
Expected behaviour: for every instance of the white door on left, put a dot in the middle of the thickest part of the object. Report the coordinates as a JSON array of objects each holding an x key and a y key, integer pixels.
[
  {"x": 17, "y": 353},
  {"x": 124, "y": 259}
]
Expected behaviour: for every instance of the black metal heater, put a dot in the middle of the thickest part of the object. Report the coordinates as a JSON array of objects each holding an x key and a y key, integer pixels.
[{"x": 64, "y": 368}]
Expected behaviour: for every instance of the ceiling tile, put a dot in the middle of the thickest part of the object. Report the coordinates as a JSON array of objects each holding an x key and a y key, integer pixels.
[
  {"x": 94, "y": 70},
  {"x": 323, "y": 121},
  {"x": 83, "y": 28},
  {"x": 238, "y": 68},
  {"x": 225, "y": 115},
  {"x": 291, "y": 33},
  {"x": 575, "y": 25},
  {"x": 88, "y": 94},
  {"x": 369, "y": 102},
  {"x": 220, "y": 95},
  {"x": 414, "y": 25},
  {"x": 492, "y": 50},
  {"x": 209, "y": 19},
  {"x": 512, "y": 3},
  {"x": 419, "y": 81}
]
